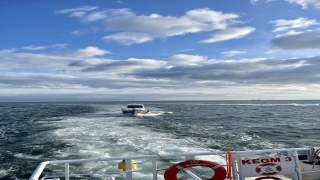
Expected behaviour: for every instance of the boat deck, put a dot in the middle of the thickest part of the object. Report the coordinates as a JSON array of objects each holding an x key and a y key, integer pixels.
[{"x": 237, "y": 165}]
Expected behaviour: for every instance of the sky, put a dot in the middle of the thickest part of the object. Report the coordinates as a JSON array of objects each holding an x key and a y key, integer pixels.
[{"x": 159, "y": 50}]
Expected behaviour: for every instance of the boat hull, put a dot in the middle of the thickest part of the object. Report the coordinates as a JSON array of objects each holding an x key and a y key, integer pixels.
[{"x": 135, "y": 112}]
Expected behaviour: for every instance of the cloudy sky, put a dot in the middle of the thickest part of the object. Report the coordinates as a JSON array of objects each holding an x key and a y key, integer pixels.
[{"x": 142, "y": 50}]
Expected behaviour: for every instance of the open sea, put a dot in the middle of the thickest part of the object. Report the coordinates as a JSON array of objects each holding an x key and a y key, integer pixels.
[{"x": 34, "y": 132}]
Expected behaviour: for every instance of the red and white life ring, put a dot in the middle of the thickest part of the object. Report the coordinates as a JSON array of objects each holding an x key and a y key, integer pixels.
[
  {"x": 268, "y": 169},
  {"x": 268, "y": 177},
  {"x": 219, "y": 171}
]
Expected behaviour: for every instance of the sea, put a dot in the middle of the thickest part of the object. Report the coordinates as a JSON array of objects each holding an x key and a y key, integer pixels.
[{"x": 32, "y": 132}]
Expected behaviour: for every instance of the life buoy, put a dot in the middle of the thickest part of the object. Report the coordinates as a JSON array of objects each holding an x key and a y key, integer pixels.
[
  {"x": 268, "y": 169},
  {"x": 219, "y": 171},
  {"x": 267, "y": 177}
]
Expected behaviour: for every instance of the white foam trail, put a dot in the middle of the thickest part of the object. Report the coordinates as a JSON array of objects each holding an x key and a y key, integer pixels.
[
  {"x": 24, "y": 156},
  {"x": 4, "y": 172},
  {"x": 99, "y": 135},
  {"x": 152, "y": 114},
  {"x": 113, "y": 134}
]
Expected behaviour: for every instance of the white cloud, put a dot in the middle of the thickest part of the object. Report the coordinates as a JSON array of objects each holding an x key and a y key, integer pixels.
[
  {"x": 232, "y": 53},
  {"x": 124, "y": 66},
  {"x": 90, "y": 52},
  {"x": 78, "y": 14},
  {"x": 45, "y": 63},
  {"x": 186, "y": 50},
  {"x": 94, "y": 16},
  {"x": 253, "y": 1},
  {"x": 6, "y": 51},
  {"x": 31, "y": 62},
  {"x": 306, "y": 3},
  {"x": 228, "y": 34},
  {"x": 59, "y": 46},
  {"x": 283, "y": 24},
  {"x": 297, "y": 40},
  {"x": 185, "y": 59},
  {"x": 163, "y": 26},
  {"x": 128, "y": 38},
  {"x": 79, "y": 32},
  {"x": 71, "y": 10},
  {"x": 216, "y": 19},
  {"x": 34, "y": 48},
  {"x": 134, "y": 28},
  {"x": 65, "y": 73}
]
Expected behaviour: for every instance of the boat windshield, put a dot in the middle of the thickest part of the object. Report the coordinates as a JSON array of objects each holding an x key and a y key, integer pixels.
[{"x": 135, "y": 106}]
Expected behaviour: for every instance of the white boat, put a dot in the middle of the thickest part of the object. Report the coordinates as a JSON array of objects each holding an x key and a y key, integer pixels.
[
  {"x": 135, "y": 109},
  {"x": 292, "y": 163}
]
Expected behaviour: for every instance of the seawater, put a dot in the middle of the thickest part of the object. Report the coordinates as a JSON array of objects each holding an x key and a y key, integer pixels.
[{"x": 34, "y": 132}]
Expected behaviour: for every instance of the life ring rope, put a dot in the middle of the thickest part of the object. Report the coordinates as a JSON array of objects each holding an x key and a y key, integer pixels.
[{"x": 219, "y": 171}]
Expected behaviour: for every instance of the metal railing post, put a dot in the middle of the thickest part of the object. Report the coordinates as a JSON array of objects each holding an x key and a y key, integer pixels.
[
  {"x": 297, "y": 166},
  {"x": 66, "y": 171},
  {"x": 128, "y": 169},
  {"x": 154, "y": 169}
]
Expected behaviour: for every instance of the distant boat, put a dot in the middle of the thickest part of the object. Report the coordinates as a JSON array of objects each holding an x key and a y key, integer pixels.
[{"x": 135, "y": 109}]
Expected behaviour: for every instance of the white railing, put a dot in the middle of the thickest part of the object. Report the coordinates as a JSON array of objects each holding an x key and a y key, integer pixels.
[{"x": 236, "y": 158}]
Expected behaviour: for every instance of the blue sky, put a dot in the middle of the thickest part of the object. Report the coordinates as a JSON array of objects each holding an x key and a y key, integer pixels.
[{"x": 141, "y": 50}]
